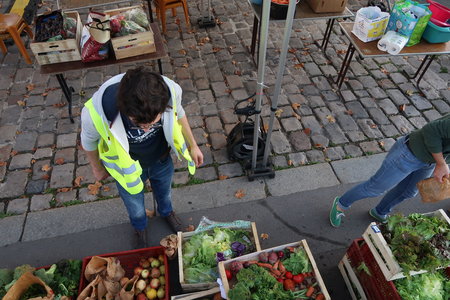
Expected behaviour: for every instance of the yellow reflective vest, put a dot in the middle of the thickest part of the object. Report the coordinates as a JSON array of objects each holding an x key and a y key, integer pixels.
[{"x": 118, "y": 161}]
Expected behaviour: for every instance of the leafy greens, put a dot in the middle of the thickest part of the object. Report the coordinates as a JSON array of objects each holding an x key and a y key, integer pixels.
[{"x": 426, "y": 286}]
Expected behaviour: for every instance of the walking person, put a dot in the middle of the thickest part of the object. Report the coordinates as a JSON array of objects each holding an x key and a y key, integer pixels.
[
  {"x": 412, "y": 158},
  {"x": 128, "y": 129}
]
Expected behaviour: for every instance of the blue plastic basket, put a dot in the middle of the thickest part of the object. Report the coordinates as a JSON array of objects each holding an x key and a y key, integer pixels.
[{"x": 435, "y": 34}]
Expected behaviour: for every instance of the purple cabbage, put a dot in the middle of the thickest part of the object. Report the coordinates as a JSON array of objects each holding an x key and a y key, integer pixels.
[
  {"x": 238, "y": 248},
  {"x": 220, "y": 256}
]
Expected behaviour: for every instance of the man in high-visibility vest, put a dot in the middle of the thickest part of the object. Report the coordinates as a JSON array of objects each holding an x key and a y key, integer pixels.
[{"x": 128, "y": 128}]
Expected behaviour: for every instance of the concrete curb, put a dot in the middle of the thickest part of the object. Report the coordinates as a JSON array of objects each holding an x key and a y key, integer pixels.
[{"x": 67, "y": 220}]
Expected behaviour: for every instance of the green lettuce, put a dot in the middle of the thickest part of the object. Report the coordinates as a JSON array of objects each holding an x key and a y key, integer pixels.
[{"x": 426, "y": 286}]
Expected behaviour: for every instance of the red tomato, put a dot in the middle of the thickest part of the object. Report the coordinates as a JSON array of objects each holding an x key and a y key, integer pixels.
[
  {"x": 280, "y": 280},
  {"x": 229, "y": 275},
  {"x": 288, "y": 275},
  {"x": 298, "y": 278}
]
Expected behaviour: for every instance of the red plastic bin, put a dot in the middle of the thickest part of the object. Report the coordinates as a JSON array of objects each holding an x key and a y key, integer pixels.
[
  {"x": 440, "y": 14},
  {"x": 129, "y": 260},
  {"x": 375, "y": 286}
]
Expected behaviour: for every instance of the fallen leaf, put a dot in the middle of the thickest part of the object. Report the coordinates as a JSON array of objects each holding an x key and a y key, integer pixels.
[
  {"x": 208, "y": 145},
  {"x": 190, "y": 228},
  {"x": 45, "y": 94},
  {"x": 404, "y": 130},
  {"x": 401, "y": 107},
  {"x": 278, "y": 112},
  {"x": 150, "y": 213},
  {"x": 182, "y": 51},
  {"x": 290, "y": 162},
  {"x": 297, "y": 116},
  {"x": 381, "y": 143},
  {"x": 106, "y": 188},
  {"x": 46, "y": 168},
  {"x": 33, "y": 161},
  {"x": 318, "y": 145},
  {"x": 237, "y": 72},
  {"x": 28, "y": 171},
  {"x": 341, "y": 51},
  {"x": 373, "y": 126},
  {"x": 233, "y": 62},
  {"x": 266, "y": 127},
  {"x": 292, "y": 50},
  {"x": 30, "y": 87},
  {"x": 239, "y": 194},
  {"x": 64, "y": 190},
  {"x": 409, "y": 92},
  {"x": 21, "y": 103},
  {"x": 331, "y": 119},
  {"x": 94, "y": 188},
  {"x": 307, "y": 131},
  {"x": 349, "y": 112},
  {"x": 177, "y": 21},
  {"x": 185, "y": 65},
  {"x": 18, "y": 132},
  {"x": 384, "y": 71},
  {"x": 59, "y": 161},
  {"x": 204, "y": 40},
  {"x": 13, "y": 153},
  {"x": 264, "y": 236},
  {"x": 60, "y": 104},
  {"x": 77, "y": 181},
  {"x": 45, "y": 176},
  {"x": 295, "y": 105},
  {"x": 2, "y": 163},
  {"x": 216, "y": 49}
]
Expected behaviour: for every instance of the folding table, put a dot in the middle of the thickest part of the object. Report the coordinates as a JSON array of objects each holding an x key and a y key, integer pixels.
[
  {"x": 370, "y": 49},
  {"x": 303, "y": 12},
  {"x": 60, "y": 68}
]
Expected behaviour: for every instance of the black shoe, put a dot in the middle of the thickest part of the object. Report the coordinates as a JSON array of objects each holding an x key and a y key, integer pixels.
[
  {"x": 174, "y": 222},
  {"x": 141, "y": 239}
]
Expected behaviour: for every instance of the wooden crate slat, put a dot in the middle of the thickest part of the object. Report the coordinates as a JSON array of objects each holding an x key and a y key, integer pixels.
[
  {"x": 198, "y": 295},
  {"x": 350, "y": 277},
  {"x": 254, "y": 256}
]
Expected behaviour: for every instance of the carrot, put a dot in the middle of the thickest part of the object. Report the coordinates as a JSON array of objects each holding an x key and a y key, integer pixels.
[
  {"x": 276, "y": 264},
  {"x": 276, "y": 272},
  {"x": 281, "y": 267},
  {"x": 252, "y": 262},
  {"x": 264, "y": 265},
  {"x": 320, "y": 297},
  {"x": 310, "y": 291},
  {"x": 291, "y": 249}
]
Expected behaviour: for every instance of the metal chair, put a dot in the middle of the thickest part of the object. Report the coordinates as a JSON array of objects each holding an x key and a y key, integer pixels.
[
  {"x": 11, "y": 26},
  {"x": 163, "y": 5}
]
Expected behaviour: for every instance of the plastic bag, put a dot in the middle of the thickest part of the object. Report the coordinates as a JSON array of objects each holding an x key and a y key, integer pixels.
[
  {"x": 116, "y": 23},
  {"x": 138, "y": 16},
  {"x": 70, "y": 26},
  {"x": 95, "y": 38},
  {"x": 23, "y": 283},
  {"x": 130, "y": 27},
  {"x": 207, "y": 224},
  {"x": 410, "y": 19},
  {"x": 433, "y": 191},
  {"x": 370, "y": 23}
]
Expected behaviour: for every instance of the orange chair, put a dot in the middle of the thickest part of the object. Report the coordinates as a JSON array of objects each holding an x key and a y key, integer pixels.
[
  {"x": 11, "y": 26},
  {"x": 163, "y": 5}
]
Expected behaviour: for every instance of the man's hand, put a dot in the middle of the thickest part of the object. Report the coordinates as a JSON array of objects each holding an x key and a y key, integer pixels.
[
  {"x": 100, "y": 172},
  {"x": 441, "y": 171},
  {"x": 196, "y": 155}
]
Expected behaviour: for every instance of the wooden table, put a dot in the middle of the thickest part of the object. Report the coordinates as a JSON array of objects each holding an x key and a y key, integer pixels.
[
  {"x": 303, "y": 12},
  {"x": 60, "y": 68},
  {"x": 370, "y": 49}
]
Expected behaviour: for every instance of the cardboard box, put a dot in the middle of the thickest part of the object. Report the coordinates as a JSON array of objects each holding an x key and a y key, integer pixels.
[
  {"x": 327, "y": 6},
  {"x": 59, "y": 51},
  {"x": 185, "y": 236},
  {"x": 223, "y": 265},
  {"x": 383, "y": 253}
]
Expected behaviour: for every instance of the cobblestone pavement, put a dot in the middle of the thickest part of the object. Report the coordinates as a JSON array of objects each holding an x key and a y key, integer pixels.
[{"x": 42, "y": 165}]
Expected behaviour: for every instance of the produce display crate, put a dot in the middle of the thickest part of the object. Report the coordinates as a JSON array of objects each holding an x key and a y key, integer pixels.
[
  {"x": 383, "y": 254},
  {"x": 372, "y": 280},
  {"x": 199, "y": 295},
  {"x": 351, "y": 280},
  {"x": 129, "y": 260},
  {"x": 132, "y": 44},
  {"x": 59, "y": 51},
  {"x": 223, "y": 265},
  {"x": 185, "y": 236}
]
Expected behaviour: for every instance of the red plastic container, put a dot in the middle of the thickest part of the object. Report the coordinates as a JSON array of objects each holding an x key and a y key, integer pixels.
[
  {"x": 129, "y": 260},
  {"x": 440, "y": 14},
  {"x": 375, "y": 286}
]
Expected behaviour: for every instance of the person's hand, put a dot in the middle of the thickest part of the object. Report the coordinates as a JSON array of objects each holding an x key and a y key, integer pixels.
[
  {"x": 100, "y": 172},
  {"x": 441, "y": 171},
  {"x": 196, "y": 155}
]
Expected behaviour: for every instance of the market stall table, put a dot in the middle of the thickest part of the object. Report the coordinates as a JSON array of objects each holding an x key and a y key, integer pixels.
[
  {"x": 371, "y": 50},
  {"x": 303, "y": 12},
  {"x": 60, "y": 68}
]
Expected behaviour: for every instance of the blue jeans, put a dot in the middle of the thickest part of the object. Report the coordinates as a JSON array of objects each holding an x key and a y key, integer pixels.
[
  {"x": 160, "y": 175},
  {"x": 399, "y": 173}
]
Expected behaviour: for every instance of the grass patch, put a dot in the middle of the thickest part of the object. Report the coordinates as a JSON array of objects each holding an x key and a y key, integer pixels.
[
  {"x": 368, "y": 153},
  {"x": 443, "y": 70},
  {"x": 4, "y": 215},
  {"x": 348, "y": 157},
  {"x": 53, "y": 203},
  {"x": 72, "y": 202}
]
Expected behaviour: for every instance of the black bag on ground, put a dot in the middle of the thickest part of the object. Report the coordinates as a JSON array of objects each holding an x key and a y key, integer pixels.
[{"x": 240, "y": 142}]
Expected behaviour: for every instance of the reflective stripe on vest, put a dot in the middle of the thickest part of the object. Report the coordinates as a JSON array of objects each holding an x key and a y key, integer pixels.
[
  {"x": 178, "y": 138},
  {"x": 116, "y": 160}
]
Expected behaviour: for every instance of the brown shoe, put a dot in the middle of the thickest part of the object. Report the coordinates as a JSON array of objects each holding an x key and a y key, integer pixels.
[
  {"x": 174, "y": 222},
  {"x": 140, "y": 239}
]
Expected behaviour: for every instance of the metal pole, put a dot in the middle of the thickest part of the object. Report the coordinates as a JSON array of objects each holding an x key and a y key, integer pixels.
[
  {"x": 281, "y": 68},
  {"x": 261, "y": 69}
]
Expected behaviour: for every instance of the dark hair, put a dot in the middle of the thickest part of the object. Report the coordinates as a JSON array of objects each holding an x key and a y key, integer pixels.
[{"x": 142, "y": 95}]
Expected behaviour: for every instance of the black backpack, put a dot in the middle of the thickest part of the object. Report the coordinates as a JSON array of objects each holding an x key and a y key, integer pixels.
[{"x": 240, "y": 141}]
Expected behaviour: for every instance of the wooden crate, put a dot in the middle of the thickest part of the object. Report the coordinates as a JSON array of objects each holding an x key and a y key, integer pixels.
[
  {"x": 199, "y": 295},
  {"x": 383, "y": 253},
  {"x": 133, "y": 44},
  {"x": 223, "y": 265},
  {"x": 351, "y": 280},
  {"x": 191, "y": 287},
  {"x": 59, "y": 51}
]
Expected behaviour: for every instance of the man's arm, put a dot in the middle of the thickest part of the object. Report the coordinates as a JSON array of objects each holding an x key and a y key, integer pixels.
[
  {"x": 195, "y": 151},
  {"x": 441, "y": 169},
  {"x": 98, "y": 169}
]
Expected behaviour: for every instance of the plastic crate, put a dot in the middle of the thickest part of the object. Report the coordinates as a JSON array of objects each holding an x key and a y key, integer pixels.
[
  {"x": 440, "y": 14},
  {"x": 279, "y": 11},
  {"x": 129, "y": 260},
  {"x": 375, "y": 286}
]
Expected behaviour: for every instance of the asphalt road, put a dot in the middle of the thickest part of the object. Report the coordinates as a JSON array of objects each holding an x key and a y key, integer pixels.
[{"x": 285, "y": 219}]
